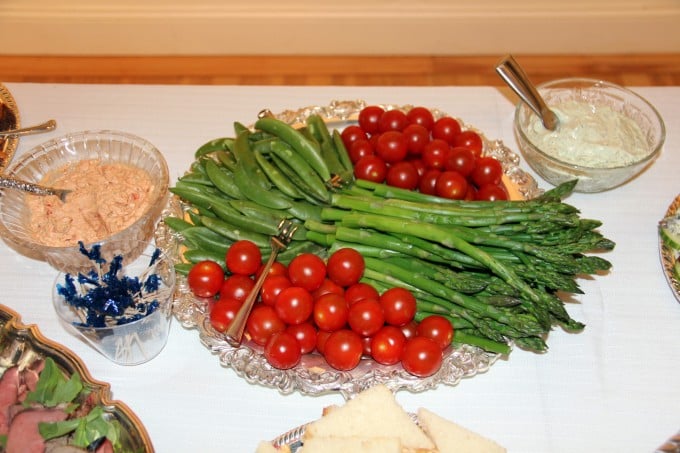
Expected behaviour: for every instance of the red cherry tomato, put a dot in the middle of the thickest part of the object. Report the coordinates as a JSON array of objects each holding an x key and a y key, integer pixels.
[
  {"x": 294, "y": 305},
  {"x": 352, "y": 133},
  {"x": 359, "y": 149},
  {"x": 360, "y": 291},
  {"x": 421, "y": 356},
  {"x": 492, "y": 192},
  {"x": 471, "y": 140},
  {"x": 428, "y": 182},
  {"x": 392, "y": 120},
  {"x": 307, "y": 270},
  {"x": 487, "y": 171},
  {"x": 328, "y": 286},
  {"x": 205, "y": 278},
  {"x": 391, "y": 146},
  {"x": 438, "y": 328},
  {"x": 321, "y": 337},
  {"x": 387, "y": 345},
  {"x": 305, "y": 333},
  {"x": 330, "y": 312},
  {"x": 403, "y": 175},
  {"x": 282, "y": 350},
  {"x": 446, "y": 128},
  {"x": 237, "y": 287},
  {"x": 399, "y": 306},
  {"x": 451, "y": 185},
  {"x": 244, "y": 258},
  {"x": 409, "y": 329},
  {"x": 421, "y": 116},
  {"x": 462, "y": 160},
  {"x": 435, "y": 154},
  {"x": 222, "y": 313},
  {"x": 277, "y": 268},
  {"x": 366, "y": 317},
  {"x": 417, "y": 137},
  {"x": 369, "y": 117},
  {"x": 272, "y": 287},
  {"x": 371, "y": 168},
  {"x": 345, "y": 266},
  {"x": 343, "y": 349},
  {"x": 262, "y": 323}
]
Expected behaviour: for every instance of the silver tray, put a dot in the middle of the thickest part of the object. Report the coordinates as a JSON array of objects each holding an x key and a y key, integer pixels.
[
  {"x": 9, "y": 118},
  {"x": 313, "y": 376},
  {"x": 670, "y": 256},
  {"x": 21, "y": 345}
]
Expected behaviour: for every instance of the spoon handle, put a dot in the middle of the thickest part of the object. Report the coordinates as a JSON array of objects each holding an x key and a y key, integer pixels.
[
  {"x": 516, "y": 78},
  {"x": 13, "y": 183},
  {"x": 43, "y": 127}
]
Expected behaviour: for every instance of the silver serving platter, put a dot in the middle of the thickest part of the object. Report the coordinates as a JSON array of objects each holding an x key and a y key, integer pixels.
[
  {"x": 21, "y": 345},
  {"x": 9, "y": 119},
  {"x": 313, "y": 376},
  {"x": 670, "y": 256}
]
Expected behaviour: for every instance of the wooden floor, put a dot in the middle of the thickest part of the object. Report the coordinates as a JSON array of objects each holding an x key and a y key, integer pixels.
[{"x": 631, "y": 70}]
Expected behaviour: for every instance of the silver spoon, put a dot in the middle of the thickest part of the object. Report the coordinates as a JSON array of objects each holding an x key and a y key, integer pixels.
[
  {"x": 36, "y": 189},
  {"x": 513, "y": 74},
  {"x": 42, "y": 127}
]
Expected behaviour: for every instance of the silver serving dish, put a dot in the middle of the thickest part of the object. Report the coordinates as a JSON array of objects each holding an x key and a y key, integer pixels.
[
  {"x": 21, "y": 345},
  {"x": 313, "y": 376},
  {"x": 669, "y": 256},
  {"x": 9, "y": 119}
]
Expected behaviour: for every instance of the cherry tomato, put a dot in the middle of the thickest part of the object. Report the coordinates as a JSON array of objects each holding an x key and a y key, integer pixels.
[
  {"x": 307, "y": 270},
  {"x": 387, "y": 345},
  {"x": 330, "y": 312},
  {"x": 371, "y": 168},
  {"x": 359, "y": 149},
  {"x": 369, "y": 117},
  {"x": 462, "y": 160},
  {"x": 244, "y": 258},
  {"x": 451, "y": 185},
  {"x": 403, "y": 175},
  {"x": 205, "y": 278},
  {"x": 421, "y": 356},
  {"x": 282, "y": 350},
  {"x": 438, "y": 328},
  {"x": 345, "y": 266},
  {"x": 294, "y": 305},
  {"x": 435, "y": 154},
  {"x": 421, "y": 116},
  {"x": 328, "y": 286},
  {"x": 305, "y": 333},
  {"x": 222, "y": 313},
  {"x": 492, "y": 192},
  {"x": 420, "y": 166},
  {"x": 409, "y": 329},
  {"x": 352, "y": 133},
  {"x": 487, "y": 171},
  {"x": 237, "y": 287},
  {"x": 446, "y": 128},
  {"x": 471, "y": 140},
  {"x": 262, "y": 323},
  {"x": 391, "y": 146},
  {"x": 399, "y": 306},
  {"x": 428, "y": 182},
  {"x": 343, "y": 349},
  {"x": 392, "y": 120},
  {"x": 360, "y": 291},
  {"x": 417, "y": 137},
  {"x": 321, "y": 337},
  {"x": 272, "y": 287},
  {"x": 366, "y": 317},
  {"x": 277, "y": 268}
]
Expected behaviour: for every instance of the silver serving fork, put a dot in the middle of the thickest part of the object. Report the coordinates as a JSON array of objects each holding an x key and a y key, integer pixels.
[{"x": 234, "y": 333}]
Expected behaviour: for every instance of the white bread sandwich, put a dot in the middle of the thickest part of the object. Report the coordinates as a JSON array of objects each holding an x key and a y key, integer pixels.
[
  {"x": 452, "y": 438},
  {"x": 352, "y": 444}
]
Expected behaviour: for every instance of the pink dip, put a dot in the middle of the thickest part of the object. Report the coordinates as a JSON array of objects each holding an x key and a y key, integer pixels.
[{"x": 105, "y": 199}]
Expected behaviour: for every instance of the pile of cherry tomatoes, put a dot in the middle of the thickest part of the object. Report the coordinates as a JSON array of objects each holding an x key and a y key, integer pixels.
[
  {"x": 311, "y": 306},
  {"x": 412, "y": 150}
]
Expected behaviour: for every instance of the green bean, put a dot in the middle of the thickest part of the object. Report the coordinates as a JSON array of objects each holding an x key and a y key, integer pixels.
[
  {"x": 298, "y": 142},
  {"x": 303, "y": 170},
  {"x": 276, "y": 177}
]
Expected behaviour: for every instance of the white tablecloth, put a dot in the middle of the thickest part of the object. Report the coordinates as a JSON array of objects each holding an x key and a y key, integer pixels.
[{"x": 610, "y": 388}]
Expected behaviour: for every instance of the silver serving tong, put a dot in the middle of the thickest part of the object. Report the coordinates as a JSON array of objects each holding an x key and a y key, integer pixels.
[{"x": 9, "y": 182}]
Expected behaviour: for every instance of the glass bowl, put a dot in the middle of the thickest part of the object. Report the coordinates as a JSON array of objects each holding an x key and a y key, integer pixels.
[
  {"x": 139, "y": 210},
  {"x": 607, "y": 134},
  {"x": 144, "y": 333}
]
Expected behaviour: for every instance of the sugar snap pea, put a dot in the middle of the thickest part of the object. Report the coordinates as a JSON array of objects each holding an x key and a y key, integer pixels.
[
  {"x": 340, "y": 148},
  {"x": 303, "y": 169},
  {"x": 305, "y": 190},
  {"x": 246, "y": 161},
  {"x": 202, "y": 199},
  {"x": 276, "y": 177},
  {"x": 223, "y": 179},
  {"x": 251, "y": 209},
  {"x": 217, "y": 144},
  {"x": 206, "y": 239},
  {"x": 235, "y": 233},
  {"x": 177, "y": 224},
  {"x": 197, "y": 255},
  {"x": 231, "y": 215},
  {"x": 298, "y": 142}
]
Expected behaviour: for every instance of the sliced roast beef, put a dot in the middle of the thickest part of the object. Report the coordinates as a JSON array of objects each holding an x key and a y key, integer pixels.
[
  {"x": 23, "y": 435},
  {"x": 9, "y": 394}
]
